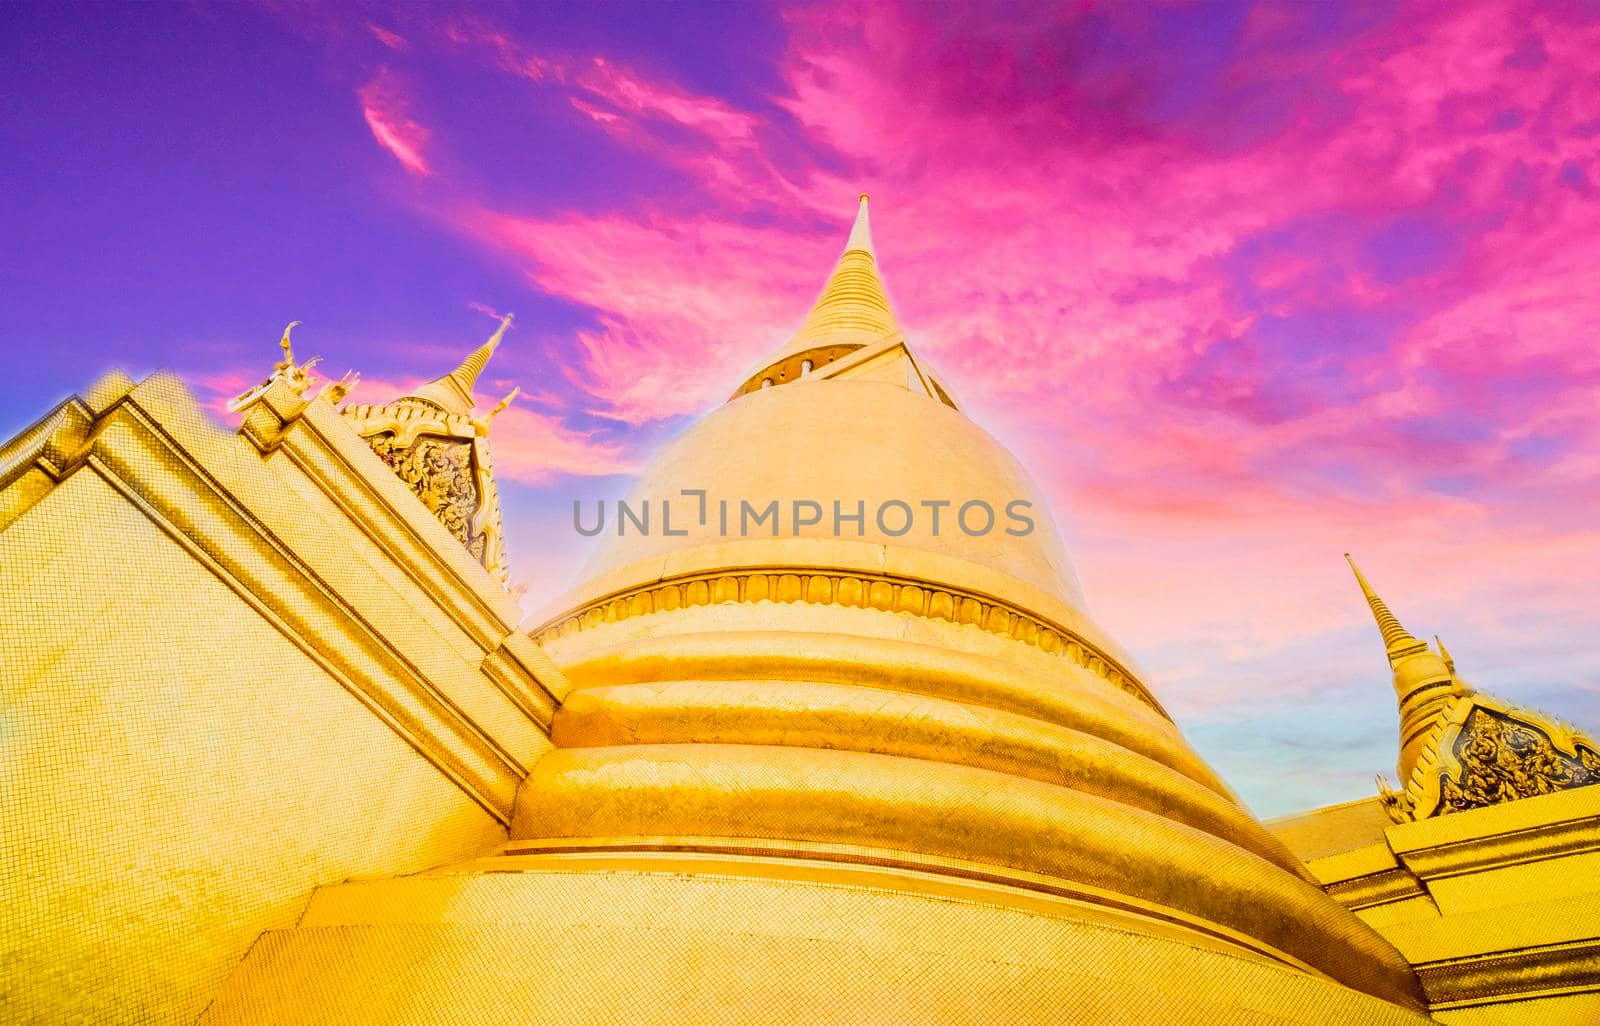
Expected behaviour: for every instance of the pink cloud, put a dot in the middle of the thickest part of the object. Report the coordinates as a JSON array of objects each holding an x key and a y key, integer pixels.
[
  {"x": 392, "y": 40},
  {"x": 217, "y": 389},
  {"x": 635, "y": 94},
  {"x": 384, "y": 107},
  {"x": 535, "y": 448},
  {"x": 485, "y": 309},
  {"x": 615, "y": 85},
  {"x": 682, "y": 311}
]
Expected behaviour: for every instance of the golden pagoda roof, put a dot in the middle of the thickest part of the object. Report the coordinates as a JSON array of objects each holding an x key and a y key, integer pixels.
[
  {"x": 1460, "y": 748},
  {"x": 436, "y": 442},
  {"x": 849, "y": 330},
  {"x": 1423, "y": 684},
  {"x": 867, "y": 424}
]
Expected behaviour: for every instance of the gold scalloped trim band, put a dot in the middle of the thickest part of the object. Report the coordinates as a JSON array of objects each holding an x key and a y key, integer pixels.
[{"x": 890, "y": 594}]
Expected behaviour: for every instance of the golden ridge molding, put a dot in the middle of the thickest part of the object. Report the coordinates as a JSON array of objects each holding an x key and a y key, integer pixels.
[
  {"x": 1544, "y": 971},
  {"x": 1381, "y": 888},
  {"x": 866, "y": 591}
]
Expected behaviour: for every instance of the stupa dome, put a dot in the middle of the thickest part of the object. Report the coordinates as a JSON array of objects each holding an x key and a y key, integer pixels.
[{"x": 778, "y": 664}]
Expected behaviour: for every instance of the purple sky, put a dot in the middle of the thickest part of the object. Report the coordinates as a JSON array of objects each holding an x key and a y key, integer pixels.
[{"x": 1246, "y": 285}]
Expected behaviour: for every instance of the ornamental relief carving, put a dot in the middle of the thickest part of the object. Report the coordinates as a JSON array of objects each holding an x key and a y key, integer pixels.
[
  {"x": 881, "y": 593},
  {"x": 1503, "y": 758},
  {"x": 439, "y": 472}
]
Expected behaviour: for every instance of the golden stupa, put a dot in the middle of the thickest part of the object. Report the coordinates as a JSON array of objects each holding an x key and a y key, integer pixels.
[{"x": 825, "y": 735}]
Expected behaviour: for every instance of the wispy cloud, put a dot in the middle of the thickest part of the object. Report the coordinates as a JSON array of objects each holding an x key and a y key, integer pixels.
[
  {"x": 393, "y": 40},
  {"x": 384, "y": 106}
]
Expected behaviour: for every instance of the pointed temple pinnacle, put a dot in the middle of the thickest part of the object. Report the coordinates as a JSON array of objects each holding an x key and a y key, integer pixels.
[
  {"x": 861, "y": 231},
  {"x": 466, "y": 375},
  {"x": 853, "y": 309},
  {"x": 1444, "y": 653},
  {"x": 453, "y": 392},
  {"x": 1395, "y": 637}
]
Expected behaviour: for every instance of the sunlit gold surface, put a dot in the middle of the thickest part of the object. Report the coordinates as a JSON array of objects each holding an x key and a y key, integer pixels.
[
  {"x": 287, "y": 758},
  {"x": 1497, "y": 908},
  {"x": 237, "y": 666},
  {"x": 917, "y": 700},
  {"x": 808, "y": 455}
]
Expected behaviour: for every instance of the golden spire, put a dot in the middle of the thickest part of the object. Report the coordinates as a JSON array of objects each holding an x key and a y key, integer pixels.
[
  {"x": 1396, "y": 638},
  {"x": 1423, "y": 682},
  {"x": 453, "y": 392},
  {"x": 853, "y": 309},
  {"x": 1444, "y": 653},
  {"x": 861, "y": 231}
]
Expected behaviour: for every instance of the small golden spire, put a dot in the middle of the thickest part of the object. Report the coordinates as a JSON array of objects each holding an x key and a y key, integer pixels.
[
  {"x": 1395, "y": 637},
  {"x": 453, "y": 392},
  {"x": 466, "y": 375},
  {"x": 853, "y": 309},
  {"x": 481, "y": 424},
  {"x": 1444, "y": 653},
  {"x": 861, "y": 231},
  {"x": 1423, "y": 683}
]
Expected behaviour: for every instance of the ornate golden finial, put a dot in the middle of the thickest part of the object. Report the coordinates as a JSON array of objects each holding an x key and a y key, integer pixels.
[
  {"x": 299, "y": 377},
  {"x": 1394, "y": 803},
  {"x": 1444, "y": 653},
  {"x": 283, "y": 343},
  {"x": 502, "y": 404},
  {"x": 1395, "y": 637},
  {"x": 481, "y": 424},
  {"x": 337, "y": 390}
]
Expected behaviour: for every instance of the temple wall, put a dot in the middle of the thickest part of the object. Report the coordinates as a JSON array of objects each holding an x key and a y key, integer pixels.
[
  {"x": 224, "y": 686},
  {"x": 1497, "y": 908}
]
